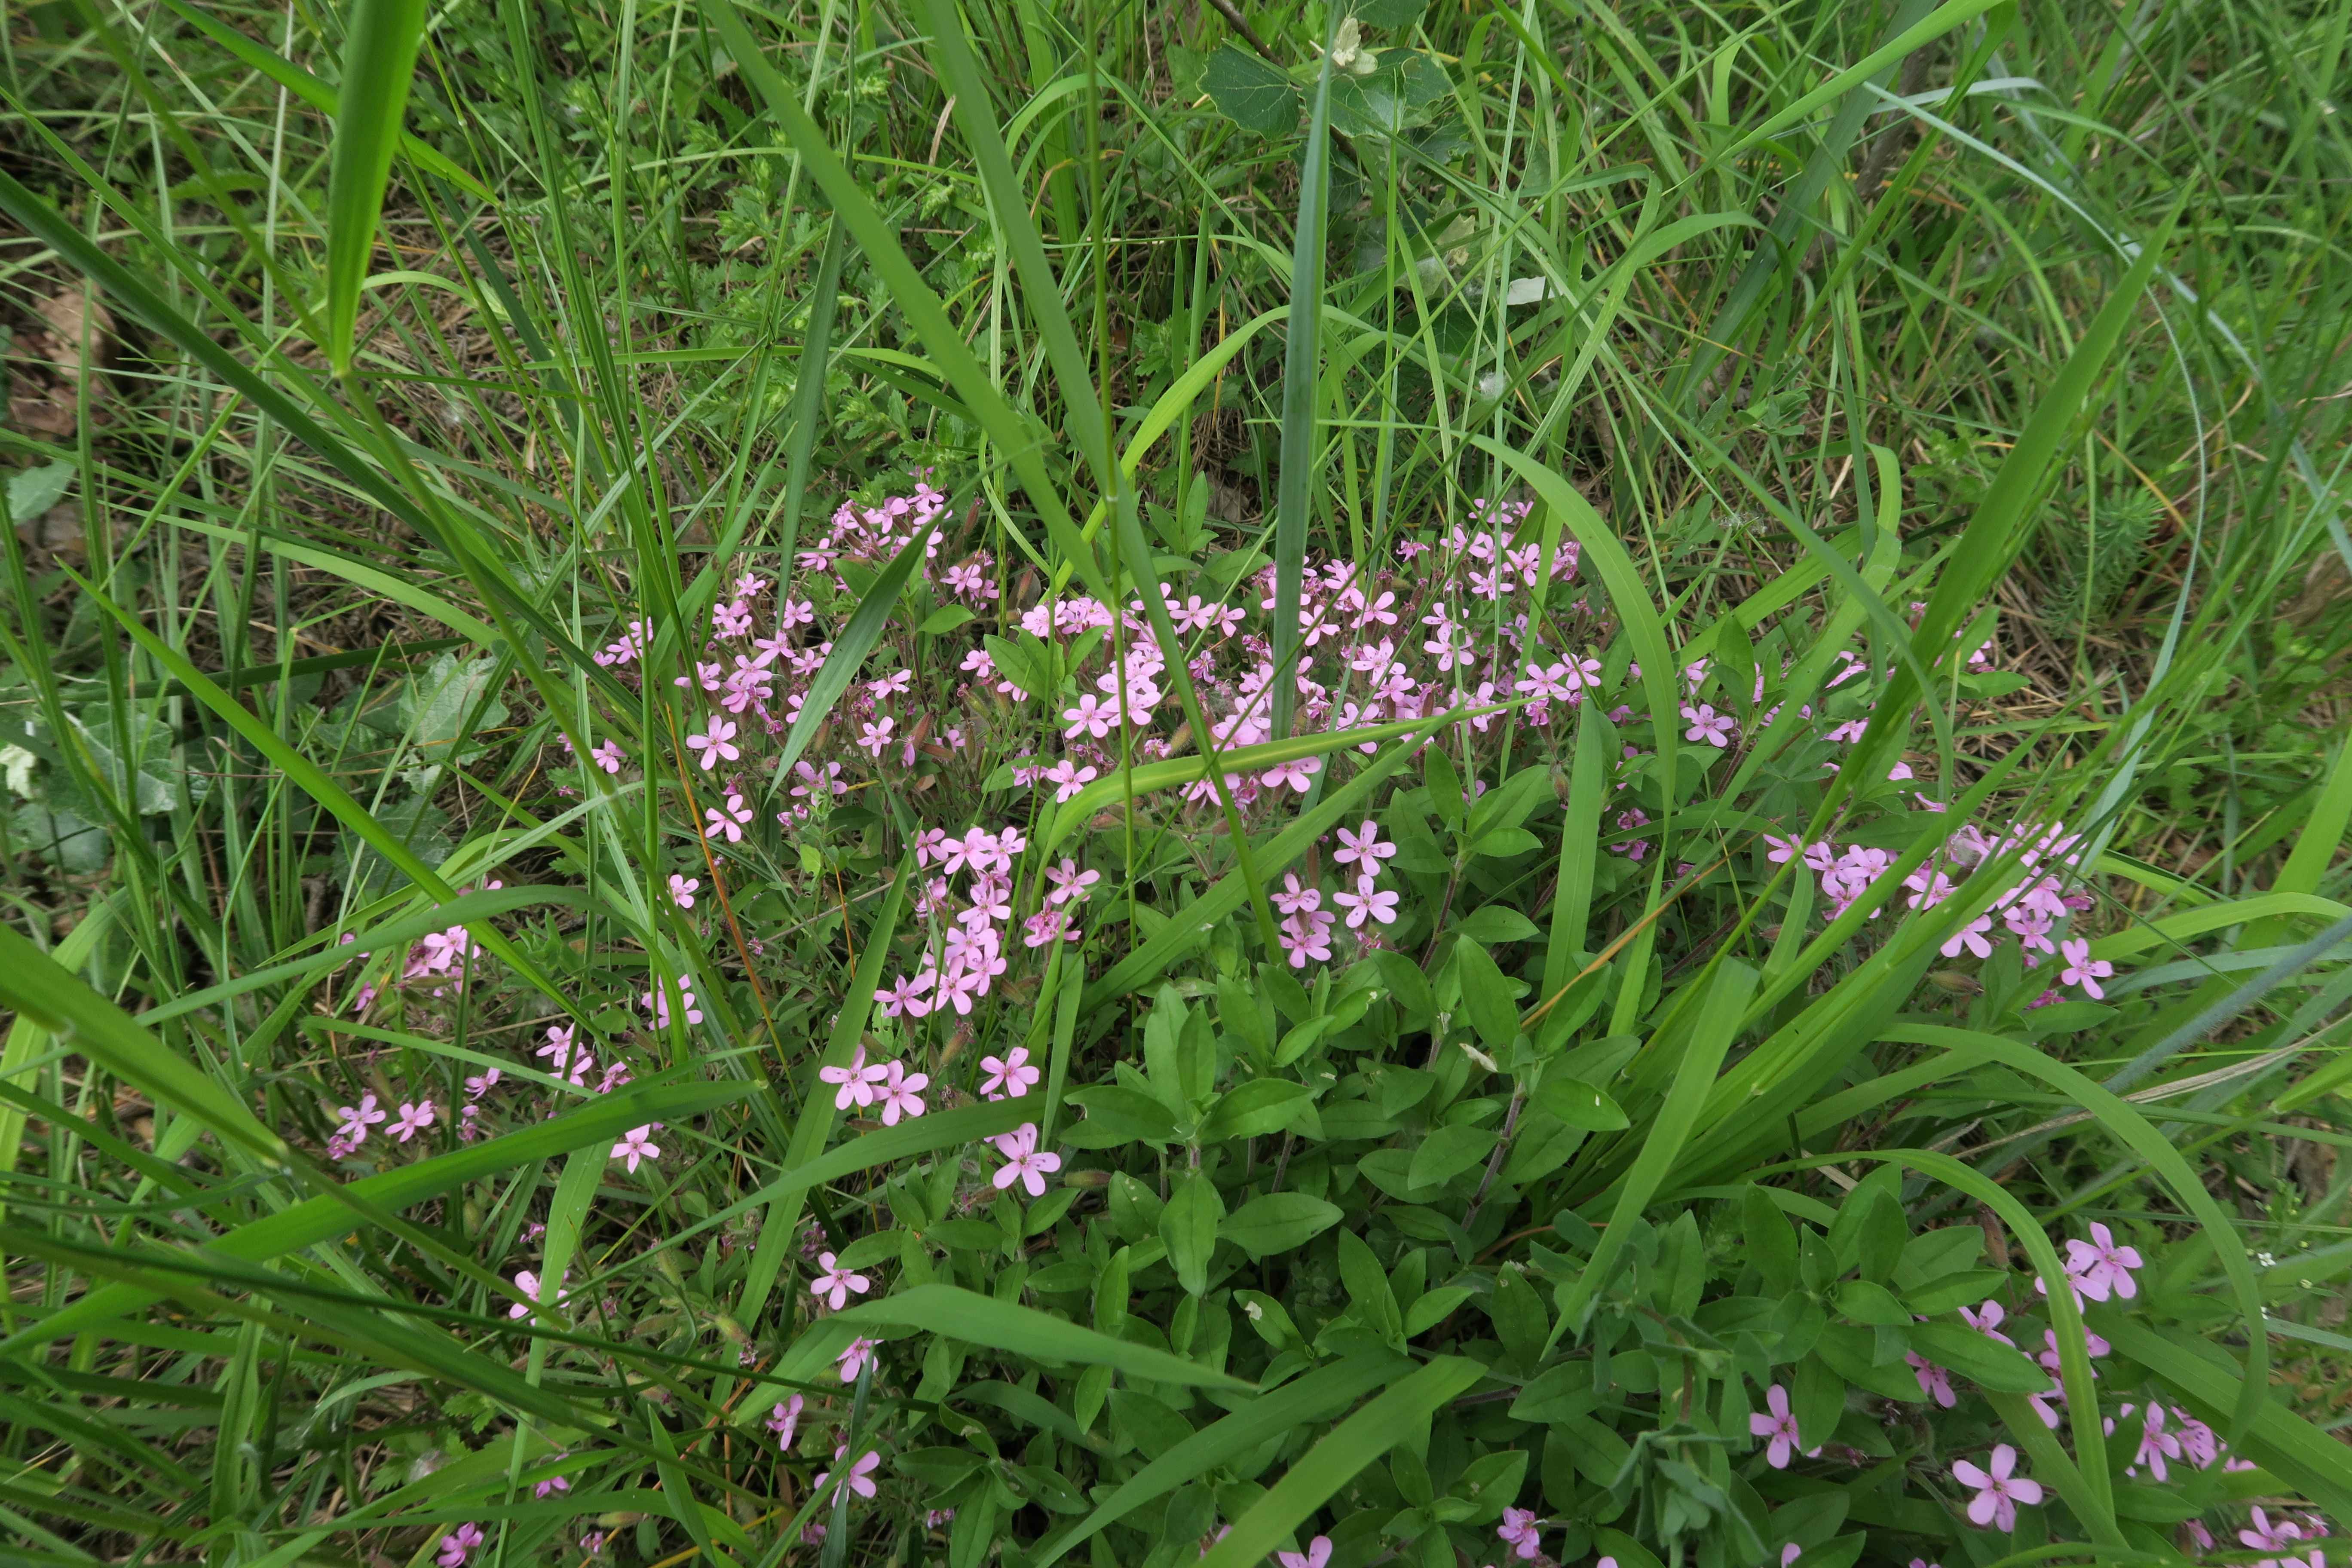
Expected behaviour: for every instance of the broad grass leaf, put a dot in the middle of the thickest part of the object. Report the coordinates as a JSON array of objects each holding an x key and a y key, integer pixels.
[
  {"x": 378, "y": 58},
  {"x": 1339, "y": 1457},
  {"x": 1027, "y": 1334},
  {"x": 1313, "y": 1397}
]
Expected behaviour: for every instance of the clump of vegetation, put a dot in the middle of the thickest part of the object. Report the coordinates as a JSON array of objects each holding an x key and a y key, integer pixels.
[{"x": 885, "y": 785}]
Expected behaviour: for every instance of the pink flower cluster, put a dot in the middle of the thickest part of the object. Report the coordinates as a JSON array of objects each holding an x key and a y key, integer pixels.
[
  {"x": 862, "y": 1084},
  {"x": 2029, "y": 908}
]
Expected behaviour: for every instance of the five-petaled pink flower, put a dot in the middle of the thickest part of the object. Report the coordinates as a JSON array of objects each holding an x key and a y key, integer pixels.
[
  {"x": 1367, "y": 903},
  {"x": 729, "y": 821},
  {"x": 1364, "y": 850},
  {"x": 682, "y": 890},
  {"x": 1009, "y": 1079},
  {"x": 1933, "y": 1381},
  {"x": 413, "y": 1118},
  {"x": 784, "y": 1420},
  {"x": 836, "y": 1285},
  {"x": 2082, "y": 969},
  {"x": 1780, "y": 1426},
  {"x": 357, "y": 1119},
  {"x": 1998, "y": 1488},
  {"x": 637, "y": 1146},
  {"x": 860, "y": 1477},
  {"x": 855, "y": 1358},
  {"x": 1519, "y": 1530},
  {"x": 459, "y": 1544},
  {"x": 1707, "y": 725},
  {"x": 1024, "y": 1163},
  {"x": 856, "y": 1081},
  {"x": 1317, "y": 1553},
  {"x": 902, "y": 1094},
  {"x": 2100, "y": 1266},
  {"x": 715, "y": 745},
  {"x": 608, "y": 756}
]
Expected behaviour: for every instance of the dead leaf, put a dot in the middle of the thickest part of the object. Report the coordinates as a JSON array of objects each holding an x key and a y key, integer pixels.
[{"x": 76, "y": 322}]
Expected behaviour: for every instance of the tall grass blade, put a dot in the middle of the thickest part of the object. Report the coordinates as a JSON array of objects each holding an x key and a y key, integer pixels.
[{"x": 378, "y": 61}]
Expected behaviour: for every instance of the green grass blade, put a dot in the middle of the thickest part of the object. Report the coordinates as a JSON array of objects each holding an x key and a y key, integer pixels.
[
  {"x": 1316, "y": 1397},
  {"x": 1015, "y": 1329},
  {"x": 1301, "y": 389},
  {"x": 1390, "y": 1419},
  {"x": 40, "y": 988},
  {"x": 378, "y": 61}
]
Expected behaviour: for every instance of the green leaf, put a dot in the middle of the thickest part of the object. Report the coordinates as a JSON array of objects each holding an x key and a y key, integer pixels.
[
  {"x": 1018, "y": 665},
  {"x": 850, "y": 647},
  {"x": 1015, "y": 1330},
  {"x": 1390, "y": 13},
  {"x": 1486, "y": 998},
  {"x": 1493, "y": 923},
  {"x": 32, "y": 491},
  {"x": 1260, "y": 1105},
  {"x": 1277, "y": 1222},
  {"x": 1726, "y": 997},
  {"x": 1189, "y": 1225},
  {"x": 1578, "y": 1104},
  {"x": 379, "y": 60},
  {"x": 1388, "y": 1420},
  {"x": 1248, "y": 91},
  {"x": 1117, "y": 1115},
  {"x": 1302, "y": 386},
  {"x": 1448, "y": 1151},
  {"x": 1977, "y": 1358},
  {"x": 35, "y": 986}
]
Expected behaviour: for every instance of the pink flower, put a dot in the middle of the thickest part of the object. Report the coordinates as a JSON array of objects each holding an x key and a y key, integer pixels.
[
  {"x": 1294, "y": 898},
  {"x": 1009, "y": 1079},
  {"x": 2099, "y": 1265},
  {"x": 784, "y": 1420},
  {"x": 1307, "y": 936},
  {"x": 1707, "y": 725},
  {"x": 715, "y": 745},
  {"x": 1518, "y": 1528},
  {"x": 1317, "y": 1553},
  {"x": 1998, "y": 1490},
  {"x": 2156, "y": 1444},
  {"x": 1298, "y": 773},
  {"x": 1024, "y": 1162},
  {"x": 1780, "y": 1426},
  {"x": 901, "y": 1094},
  {"x": 836, "y": 1285},
  {"x": 636, "y": 1147},
  {"x": 860, "y": 1477},
  {"x": 1933, "y": 1381},
  {"x": 907, "y": 996},
  {"x": 1789, "y": 1553},
  {"x": 1971, "y": 936},
  {"x": 1368, "y": 903},
  {"x": 413, "y": 1118},
  {"x": 874, "y": 738},
  {"x": 1068, "y": 779},
  {"x": 856, "y": 1358},
  {"x": 528, "y": 1283},
  {"x": 1986, "y": 1320},
  {"x": 608, "y": 756},
  {"x": 357, "y": 1119},
  {"x": 682, "y": 890},
  {"x": 459, "y": 1544},
  {"x": 730, "y": 821},
  {"x": 2082, "y": 969},
  {"x": 1092, "y": 717},
  {"x": 855, "y": 1081},
  {"x": 1070, "y": 884},
  {"x": 1363, "y": 849}
]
